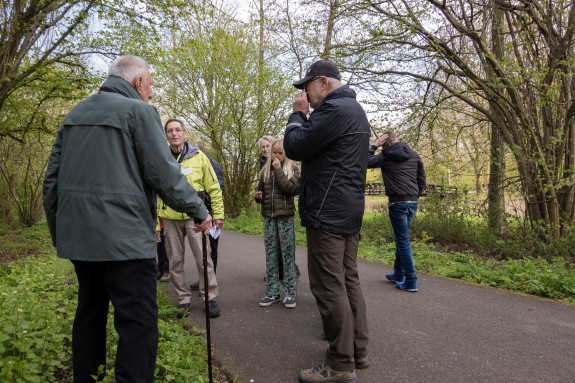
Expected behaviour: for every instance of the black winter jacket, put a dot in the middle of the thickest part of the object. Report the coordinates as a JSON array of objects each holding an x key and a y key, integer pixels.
[
  {"x": 278, "y": 193},
  {"x": 263, "y": 161},
  {"x": 402, "y": 171},
  {"x": 333, "y": 147},
  {"x": 218, "y": 170}
]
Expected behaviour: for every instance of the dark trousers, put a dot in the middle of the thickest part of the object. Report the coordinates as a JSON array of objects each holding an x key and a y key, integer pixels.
[
  {"x": 131, "y": 287},
  {"x": 334, "y": 282},
  {"x": 214, "y": 248},
  {"x": 163, "y": 262}
]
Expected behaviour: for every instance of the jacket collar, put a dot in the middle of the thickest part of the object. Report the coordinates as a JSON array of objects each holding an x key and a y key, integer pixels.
[
  {"x": 397, "y": 152},
  {"x": 115, "y": 84},
  {"x": 188, "y": 151},
  {"x": 342, "y": 91}
]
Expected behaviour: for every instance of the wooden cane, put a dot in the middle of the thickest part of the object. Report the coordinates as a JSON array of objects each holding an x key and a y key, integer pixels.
[{"x": 207, "y": 304}]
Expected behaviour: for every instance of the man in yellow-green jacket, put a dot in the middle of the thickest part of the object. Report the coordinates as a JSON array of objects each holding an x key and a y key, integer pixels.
[{"x": 196, "y": 167}]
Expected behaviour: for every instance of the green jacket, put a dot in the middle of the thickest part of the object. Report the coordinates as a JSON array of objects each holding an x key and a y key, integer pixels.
[
  {"x": 109, "y": 159},
  {"x": 199, "y": 172},
  {"x": 278, "y": 192}
]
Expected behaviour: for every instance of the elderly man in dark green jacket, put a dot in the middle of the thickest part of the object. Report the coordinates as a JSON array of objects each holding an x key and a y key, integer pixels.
[{"x": 109, "y": 159}]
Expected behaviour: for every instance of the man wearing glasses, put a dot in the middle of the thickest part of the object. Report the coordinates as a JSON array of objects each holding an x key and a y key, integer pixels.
[
  {"x": 332, "y": 144},
  {"x": 197, "y": 169}
]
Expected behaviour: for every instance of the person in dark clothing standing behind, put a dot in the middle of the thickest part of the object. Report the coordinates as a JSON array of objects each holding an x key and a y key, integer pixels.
[
  {"x": 265, "y": 145},
  {"x": 220, "y": 176},
  {"x": 163, "y": 262},
  {"x": 333, "y": 146},
  {"x": 404, "y": 179},
  {"x": 213, "y": 241}
]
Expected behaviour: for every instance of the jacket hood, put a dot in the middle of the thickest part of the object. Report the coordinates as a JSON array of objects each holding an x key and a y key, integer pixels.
[
  {"x": 118, "y": 85},
  {"x": 397, "y": 152},
  {"x": 190, "y": 150}
]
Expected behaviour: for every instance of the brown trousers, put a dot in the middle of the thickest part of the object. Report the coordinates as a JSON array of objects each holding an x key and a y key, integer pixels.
[
  {"x": 334, "y": 282},
  {"x": 175, "y": 248}
]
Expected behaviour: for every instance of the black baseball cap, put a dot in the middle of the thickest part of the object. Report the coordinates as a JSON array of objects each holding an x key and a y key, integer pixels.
[{"x": 319, "y": 68}]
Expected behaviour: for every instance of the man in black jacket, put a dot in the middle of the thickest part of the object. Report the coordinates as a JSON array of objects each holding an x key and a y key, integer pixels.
[
  {"x": 404, "y": 180},
  {"x": 333, "y": 147}
]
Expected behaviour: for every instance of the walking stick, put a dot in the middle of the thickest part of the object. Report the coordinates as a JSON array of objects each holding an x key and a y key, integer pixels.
[{"x": 207, "y": 303}]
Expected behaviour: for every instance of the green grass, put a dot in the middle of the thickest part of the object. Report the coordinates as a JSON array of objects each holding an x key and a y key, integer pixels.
[
  {"x": 461, "y": 251},
  {"x": 38, "y": 290},
  {"x": 38, "y": 293}
]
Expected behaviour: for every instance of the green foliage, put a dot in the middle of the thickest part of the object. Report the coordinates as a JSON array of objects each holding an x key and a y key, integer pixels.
[
  {"x": 182, "y": 353},
  {"x": 34, "y": 112},
  {"x": 251, "y": 222},
  {"x": 209, "y": 67},
  {"x": 445, "y": 222},
  {"x": 455, "y": 85},
  {"x": 22, "y": 179},
  {"x": 454, "y": 218},
  {"x": 37, "y": 304},
  {"x": 248, "y": 222},
  {"x": 37, "y": 39}
]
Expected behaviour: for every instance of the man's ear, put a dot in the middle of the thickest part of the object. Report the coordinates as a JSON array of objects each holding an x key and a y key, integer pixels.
[{"x": 137, "y": 83}]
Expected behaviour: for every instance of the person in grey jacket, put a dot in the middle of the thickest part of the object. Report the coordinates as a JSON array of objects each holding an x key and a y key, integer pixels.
[
  {"x": 332, "y": 145},
  {"x": 109, "y": 159}
]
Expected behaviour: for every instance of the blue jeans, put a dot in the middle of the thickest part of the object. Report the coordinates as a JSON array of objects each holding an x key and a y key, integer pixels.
[{"x": 401, "y": 215}]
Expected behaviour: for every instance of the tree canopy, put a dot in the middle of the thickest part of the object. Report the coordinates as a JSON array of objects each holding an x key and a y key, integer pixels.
[{"x": 450, "y": 76}]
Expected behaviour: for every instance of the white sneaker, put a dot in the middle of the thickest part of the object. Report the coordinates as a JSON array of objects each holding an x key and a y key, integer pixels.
[
  {"x": 268, "y": 301},
  {"x": 289, "y": 302}
]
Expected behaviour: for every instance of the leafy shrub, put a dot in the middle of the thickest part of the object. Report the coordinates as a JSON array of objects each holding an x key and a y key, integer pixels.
[
  {"x": 38, "y": 297},
  {"x": 246, "y": 223},
  {"x": 455, "y": 218},
  {"x": 553, "y": 278},
  {"x": 253, "y": 223},
  {"x": 37, "y": 305}
]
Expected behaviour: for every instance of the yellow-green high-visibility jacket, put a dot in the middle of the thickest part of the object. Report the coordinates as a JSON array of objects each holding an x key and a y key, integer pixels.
[{"x": 197, "y": 169}]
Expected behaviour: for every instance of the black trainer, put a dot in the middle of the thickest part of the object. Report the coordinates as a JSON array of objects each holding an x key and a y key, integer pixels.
[
  {"x": 361, "y": 363},
  {"x": 183, "y": 310},
  {"x": 214, "y": 309}
]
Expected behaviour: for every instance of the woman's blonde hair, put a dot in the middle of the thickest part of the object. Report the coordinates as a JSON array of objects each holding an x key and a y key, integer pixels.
[{"x": 287, "y": 165}]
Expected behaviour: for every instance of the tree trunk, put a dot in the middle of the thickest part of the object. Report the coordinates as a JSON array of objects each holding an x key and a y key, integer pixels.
[
  {"x": 333, "y": 9},
  {"x": 261, "y": 58},
  {"x": 495, "y": 191}
]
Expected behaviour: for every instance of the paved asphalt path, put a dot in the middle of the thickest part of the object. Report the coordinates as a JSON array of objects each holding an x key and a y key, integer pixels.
[{"x": 450, "y": 331}]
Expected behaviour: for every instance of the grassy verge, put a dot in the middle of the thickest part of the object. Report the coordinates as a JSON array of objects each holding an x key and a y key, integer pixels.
[
  {"x": 37, "y": 304},
  {"x": 551, "y": 277}
]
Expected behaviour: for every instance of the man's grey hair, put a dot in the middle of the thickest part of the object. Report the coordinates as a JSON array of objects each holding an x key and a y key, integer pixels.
[
  {"x": 128, "y": 67},
  {"x": 180, "y": 121},
  {"x": 334, "y": 83},
  {"x": 267, "y": 138}
]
